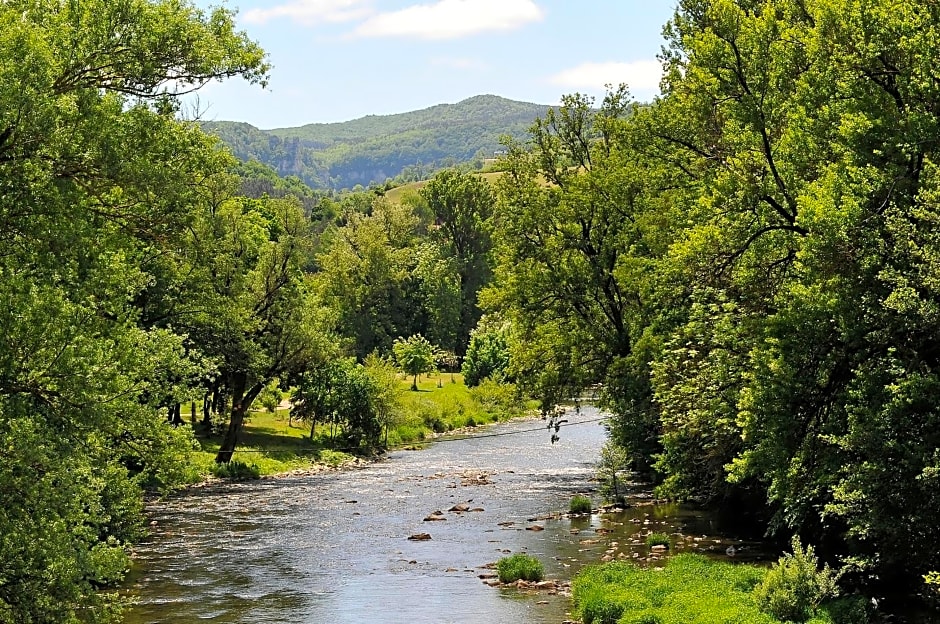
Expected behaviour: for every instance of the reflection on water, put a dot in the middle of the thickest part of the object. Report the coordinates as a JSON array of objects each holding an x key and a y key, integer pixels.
[{"x": 334, "y": 547}]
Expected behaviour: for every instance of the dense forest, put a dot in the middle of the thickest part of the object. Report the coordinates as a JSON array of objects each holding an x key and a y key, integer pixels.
[
  {"x": 373, "y": 149},
  {"x": 749, "y": 268}
]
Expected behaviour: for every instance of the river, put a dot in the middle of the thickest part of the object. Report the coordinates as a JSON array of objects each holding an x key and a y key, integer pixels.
[{"x": 333, "y": 547}]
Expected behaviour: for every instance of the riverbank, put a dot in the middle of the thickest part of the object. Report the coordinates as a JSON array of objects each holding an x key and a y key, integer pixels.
[{"x": 274, "y": 444}]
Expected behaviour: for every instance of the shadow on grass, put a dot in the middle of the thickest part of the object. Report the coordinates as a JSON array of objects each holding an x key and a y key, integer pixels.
[{"x": 271, "y": 443}]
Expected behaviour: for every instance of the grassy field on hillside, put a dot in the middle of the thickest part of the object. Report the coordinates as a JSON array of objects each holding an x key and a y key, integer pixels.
[{"x": 398, "y": 192}]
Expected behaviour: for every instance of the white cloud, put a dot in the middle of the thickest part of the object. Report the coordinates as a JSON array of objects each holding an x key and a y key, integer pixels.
[
  {"x": 640, "y": 76},
  {"x": 459, "y": 63},
  {"x": 311, "y": 11},
  {"x": 450, "y": 19}
]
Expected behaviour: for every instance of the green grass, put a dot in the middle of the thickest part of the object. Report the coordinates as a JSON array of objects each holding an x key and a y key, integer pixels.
[
  {"x": 433, "y": 410},
  {"x": 395, "y": 195},
  {"x": 580, "y": 505},
  {"x": 657, "y": 539},
  {"x": 690, "y": 589},
  {"x": 519, "y": 567},
  {"x": 270, "y": 445}
]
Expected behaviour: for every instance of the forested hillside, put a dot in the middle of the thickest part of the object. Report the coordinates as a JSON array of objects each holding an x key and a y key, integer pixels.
[{"x": 377, "y": 147}]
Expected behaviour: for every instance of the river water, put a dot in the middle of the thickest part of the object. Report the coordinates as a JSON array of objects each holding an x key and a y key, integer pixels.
[{"x": 333, "y": 547}]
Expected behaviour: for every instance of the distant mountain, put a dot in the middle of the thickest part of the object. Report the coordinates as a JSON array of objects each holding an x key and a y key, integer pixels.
[{"x": 377, "y": 147}]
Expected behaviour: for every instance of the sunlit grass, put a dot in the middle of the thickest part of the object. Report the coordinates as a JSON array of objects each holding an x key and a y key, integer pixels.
[{"x": 273, "y": 443}]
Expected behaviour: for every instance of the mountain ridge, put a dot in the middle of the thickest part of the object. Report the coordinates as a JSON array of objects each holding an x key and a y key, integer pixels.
[{"x": 374, "y": 148}]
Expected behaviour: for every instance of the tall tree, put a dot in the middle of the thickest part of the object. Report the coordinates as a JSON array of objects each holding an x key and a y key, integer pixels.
[
  {"x": 97, "y": 176},
  {"x": 462, "y": 204}
]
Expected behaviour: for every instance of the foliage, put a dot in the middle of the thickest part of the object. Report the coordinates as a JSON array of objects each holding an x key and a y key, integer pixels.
[
  {"x": 368, "y": 280},
  {"x": 98, "y": 183},
  {"x": 689, "y": 589},
  {"x": 271, "y": 396},
  {"x": 462, "y": 205},
  {"x": 614, "y": 461},
  {"x": 519, "y": 567},
  {"x": 236, "y": 471},
  {"x": 415, "y": 355},
  {"x": 376, "y": 148},
  {"x": 499, "y": 399},
  {"x": 357, "y": 399},
  {"x": 487, "y": 355},
  {"x": 657, "y": 539},
  {"x": 795, "y": 587},
  {"x": 580, "y": 505},
  {"x": 749, "y": 268}
]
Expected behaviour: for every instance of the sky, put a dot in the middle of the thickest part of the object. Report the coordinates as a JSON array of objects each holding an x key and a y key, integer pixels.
[{"x": 336, "y": 60}]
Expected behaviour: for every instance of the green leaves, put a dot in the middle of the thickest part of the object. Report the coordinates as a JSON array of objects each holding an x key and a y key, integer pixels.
[
  {"x": 415, "y": 355},
  {"x": 99, "y": 186}
]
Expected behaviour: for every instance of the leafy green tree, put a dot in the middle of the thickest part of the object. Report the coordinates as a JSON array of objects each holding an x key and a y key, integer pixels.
[
  {"x": 366, "y": 277},
  {"x": 578, "y": 259},
  {"x": 282, "y": 322},
  {"x": 359, "y": 399},
  {"x": 463, "y": 204},
  {"x": 415, "y": 355},
  {"x": 98, "y": 178},
  {"x": 805, "y": 359},
  {"x": 487, "y": 356}
]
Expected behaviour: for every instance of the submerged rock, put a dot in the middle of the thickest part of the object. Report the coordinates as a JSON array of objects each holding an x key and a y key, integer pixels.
[{"x": 419, "y": 537}]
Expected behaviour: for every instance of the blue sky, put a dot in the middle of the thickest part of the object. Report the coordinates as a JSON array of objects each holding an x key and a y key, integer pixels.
[{"x": 336, "y": 60}]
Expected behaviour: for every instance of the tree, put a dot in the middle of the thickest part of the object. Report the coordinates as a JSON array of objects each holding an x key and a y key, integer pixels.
[
  {"x": 282, "y": 328},
  {"x": 577, "y": 260},
  {"x": 98, "y": 178},
  {"x": 487, "y": 355},
  {"x": 462, "y": 204},
  {"x": 366, "y": 277},
  {"x": 415, "y": 355}
]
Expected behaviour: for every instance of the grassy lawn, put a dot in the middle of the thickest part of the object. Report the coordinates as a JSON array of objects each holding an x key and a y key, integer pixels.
[
  {"x": 270, "y": 444},
  {"x": 434, "y": 410}
]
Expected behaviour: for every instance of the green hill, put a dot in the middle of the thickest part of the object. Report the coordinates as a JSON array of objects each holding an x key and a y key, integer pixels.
[{"x": 377, "y": 147}]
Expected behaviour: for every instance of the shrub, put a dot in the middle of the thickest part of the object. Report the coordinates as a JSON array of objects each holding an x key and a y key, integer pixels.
[
  {"x": 580, "y": 505},
  {"x": 519, "y": 566},
  {"x": 657, "y": 539},
  {"x": 794, "y": 588},
  {"x": 602, "y": 612},
  {"x": 236, "y": 470}
]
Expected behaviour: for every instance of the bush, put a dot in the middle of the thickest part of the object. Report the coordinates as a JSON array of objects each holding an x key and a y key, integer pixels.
[
  {"x": 602, "y": 612},
  {"x": 657, "y": 539},
  {"x": 498, "y": 399},
  {"x": 580, "y": 505},
  {"x": 519, "y": 566},
  {"x": 236, "y": 470},
  {"x": 794, "y": 588}
]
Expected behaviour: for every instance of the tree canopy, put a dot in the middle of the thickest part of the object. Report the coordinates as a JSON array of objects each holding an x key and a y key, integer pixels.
[
  {"x": 97, "y": 181},
  {"x": 747, "y": 266}
]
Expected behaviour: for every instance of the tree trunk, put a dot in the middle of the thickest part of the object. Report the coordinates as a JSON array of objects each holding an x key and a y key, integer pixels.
[
  {"x": 414, "y": 384},
  {"x": 241, "y": 401},
  {"x": 174, "y": 414},
  {"x": 192, "y": 413},
  {"x": 207, "y": 410}
]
